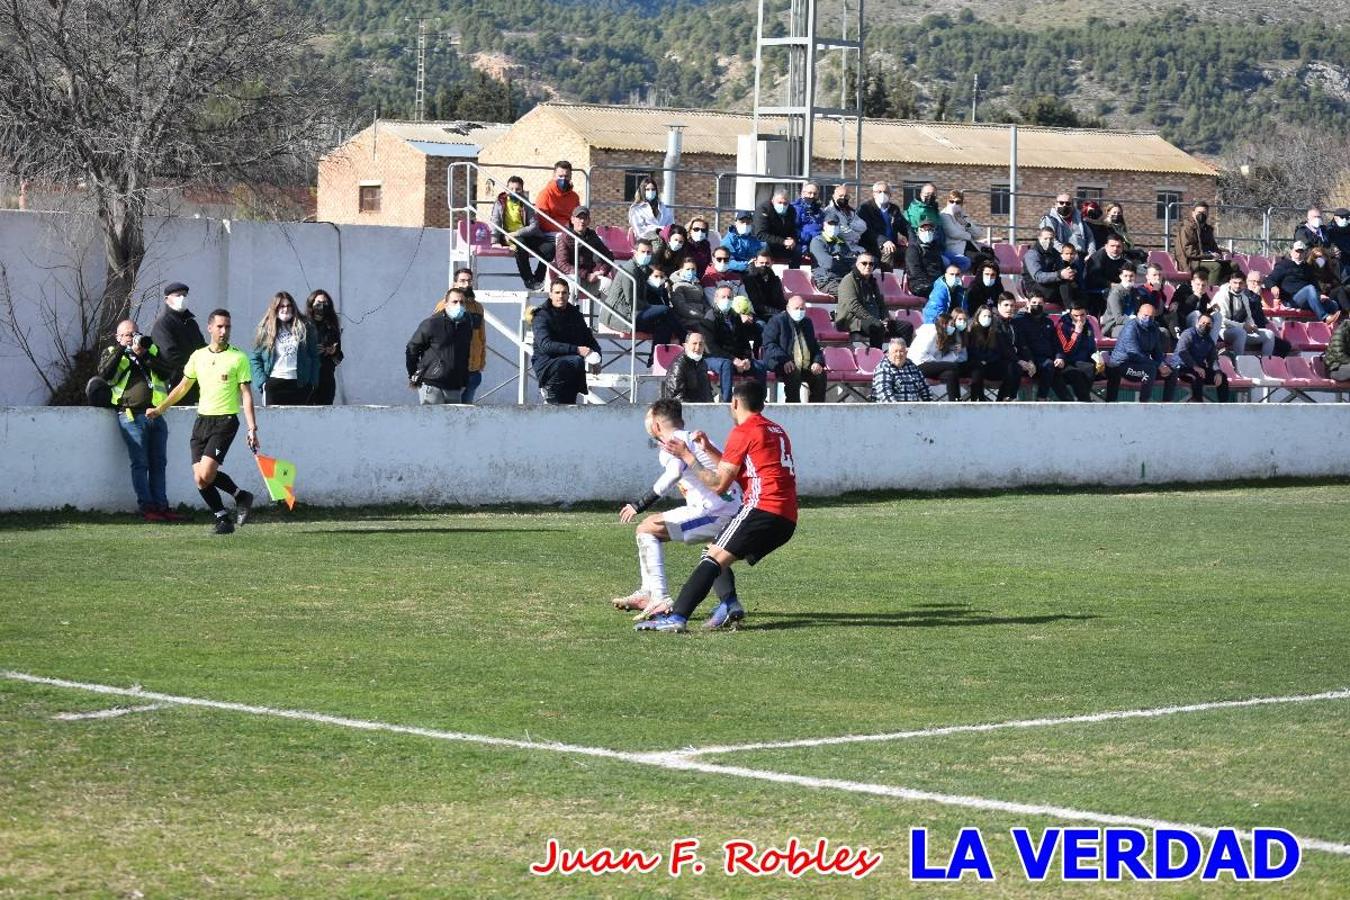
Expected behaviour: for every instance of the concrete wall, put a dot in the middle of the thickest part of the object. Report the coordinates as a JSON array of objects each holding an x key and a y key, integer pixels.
[{"x": 455, "y": 455}]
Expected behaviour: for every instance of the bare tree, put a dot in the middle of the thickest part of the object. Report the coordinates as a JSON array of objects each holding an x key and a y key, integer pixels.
[{"x": 123, "y": 96}]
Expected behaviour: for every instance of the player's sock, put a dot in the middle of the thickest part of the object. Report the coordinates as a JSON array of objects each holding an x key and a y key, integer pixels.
[
  {"x": 212, "y": 498},
  {"x": 642, "y": 562},
  {"x": 654, "y": 565},
  {"x": 226, "y": 483},
  {"x": 696, "y": 588},
  {"x": 725, "y": 585}
]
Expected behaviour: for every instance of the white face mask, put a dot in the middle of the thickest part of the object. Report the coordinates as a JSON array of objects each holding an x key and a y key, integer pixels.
[
  {"x": 719, "y": 266},
  {"x": 676, "y": 244},
  {"x": 925, "y": 236},
  {"x": 882, "y": 199},
  {"x": 692, "y": 355},
  {"x": 950, "y": 279},
  {"x": 986, "y": 319},
  {"x": 831, "y": 231},
  {"x": 742, "y": 228},
  {"x": 951, "y": 329},
  {"x": 688, "y": 275},
  {"x": 989, "y": 280},
  {"x": 656, "y": 281},
  {"x": 1341, "y": 223},
  {"x": 723, "y": 305},
  {"x": 285, "y": 315},
  {"x": 796, "y": 315},
  {"x": 176, "y": 302},
  {"x": 650, "y": 194},
  {"x": 1315, "y": 222},
  {"x": 698, "y": 234},
  {"x": 1321, "y": 261}
]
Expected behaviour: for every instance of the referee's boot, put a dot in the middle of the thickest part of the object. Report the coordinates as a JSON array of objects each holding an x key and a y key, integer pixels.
[
  {"x": 224, "y": 525},
  {"x": 243, "y": 505}
]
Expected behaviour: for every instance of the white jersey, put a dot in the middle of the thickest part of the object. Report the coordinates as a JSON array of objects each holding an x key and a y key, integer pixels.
[{"x": 696, "y": 494}]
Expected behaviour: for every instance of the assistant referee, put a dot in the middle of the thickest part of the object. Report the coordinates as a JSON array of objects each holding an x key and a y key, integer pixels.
[{"x": 225, "y": 381}]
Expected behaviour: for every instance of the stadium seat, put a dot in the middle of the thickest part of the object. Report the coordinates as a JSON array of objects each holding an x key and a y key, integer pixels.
[
  {"x": 826, "y": 333},
  {"x": 891, "y": 288},
  {"x": 617, "y": 239},
  {"x": 843, "y": 372},
  {"x": 1319, "y": 369},
  {"x": 1260, "y": 264},
  {"x": 868, "y": 358},
  {"x": 1319, "y": 335},
  {"x": 797, "y": 281},
  {"x": 1235, "y": 381},
  {"x": 1009, "y": 258},
  {"x": 1288, "y": 313},
  {"x": 663, "y": 356},
  {"x": 1301, "y": 374},
  {"x": 1163, "y": 260},
  {"x": 1013, "y": 284},
  {"x": 1296, "y": 335},
  {"x": 912, "y": 316}
]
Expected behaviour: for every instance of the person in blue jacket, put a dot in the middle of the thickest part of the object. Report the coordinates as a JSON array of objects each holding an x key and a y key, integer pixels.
[
  {"x": 1074, "y": 365},
  {"x": 947, "y": 294},
  {"x": 1138, "y": 355},
  {"x": 793, "y": 354},
  {"x": 740, "y": 242}
]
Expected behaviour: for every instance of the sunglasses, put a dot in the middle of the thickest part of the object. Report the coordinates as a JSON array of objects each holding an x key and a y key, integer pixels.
[{"x": 865, "y": 265}]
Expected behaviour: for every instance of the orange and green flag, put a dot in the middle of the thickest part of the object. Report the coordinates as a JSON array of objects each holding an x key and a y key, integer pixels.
[{"x": 280, "y": 477}]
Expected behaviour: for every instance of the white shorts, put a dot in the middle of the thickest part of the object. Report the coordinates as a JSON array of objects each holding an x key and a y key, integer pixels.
[{"x": 689, "y": 524}]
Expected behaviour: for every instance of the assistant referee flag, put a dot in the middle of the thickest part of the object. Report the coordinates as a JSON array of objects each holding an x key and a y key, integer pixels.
[{"x": 280, "y": 477}]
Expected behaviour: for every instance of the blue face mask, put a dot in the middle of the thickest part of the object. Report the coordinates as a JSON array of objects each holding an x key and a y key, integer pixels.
[
  {"x": 563, "y": 183},
  {"x": 455, "y": 310},
  {"x": 650, "y": 195},
  {"x": 780, "y": 208},
  {"x": 642, "y": 259},
  {"x": 1145, "y": 320}
]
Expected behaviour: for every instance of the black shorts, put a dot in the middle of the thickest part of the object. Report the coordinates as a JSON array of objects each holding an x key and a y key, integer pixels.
[
  {"x": 212, "y": 436},
  {"x": 753, "y": 534}
]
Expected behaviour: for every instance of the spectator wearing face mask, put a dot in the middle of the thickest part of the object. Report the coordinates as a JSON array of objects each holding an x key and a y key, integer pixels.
[
  {"x": 1338, "y": 238},
  {"x": 793, "y": 354},
  {"x": 958, "y": 232},
  {"x": 1074, "y": 364},
  {"x": 939, "y": 350},
  {"x": 1051, "y": 272},
  {"x": 555, "y": 203},
  {"x": 741, "y": 245},
  {"x": 1138, "y": 355},
  {"x": 992, "y": 350},
  {"x": 285, "y": 353},
  {"x": 477, "y": 346},
  {"x": 764, "y": 288},
  {"x": 687, "y": 379},
  {"x": 437, "y": 355},
  {"x": 1095, "y": 222},
  {"x": 1067, "y": 227},
  {"x": 670, "y": 254},
  {"x": 730, "y": 335},
  {"x": 648, "y": 215},
  {"x": 1199, "y": 354},
  {"x": 688, "y": 301},
  {"x": 854, "y": 226},
  {"x": 1196, "y": 246},
  {"x": 722, "y": 269},
  {"x": 177, "y": 335},
  {"x": 1114, "y": 217},
  {"x": 810, "y": 213},
  {"x": 1188, "y": 302},
  {"x": 984, "y": 287},
  {"x": 1038, "y": 343},
  {"x": 1312, "y": 230},
  {"x": 1101, "y": 270},
  {"x": 700, "y": 246},
  {"x": 1121, "y": 302},
  {"x": 1254, "y": 287},
  {"x": 581, "y": 253},
  {"x": 640, "y": 297},
  {"x": 1324, "y": 274},
  {"x": 1294, "y": 281},
  {"x": 924, "y": 264},
  {"x": 323, "y": 317},
  {"x": 833, "y": 255},
  {"x": 887, "y": 231},
  {"x": 924, "y": 208},
  {"x": 776, "y": 226},
  {"x": 947, "y": 294},
  {"x": 861, "y": 310},
  {"x": 1236, "y": 309}
]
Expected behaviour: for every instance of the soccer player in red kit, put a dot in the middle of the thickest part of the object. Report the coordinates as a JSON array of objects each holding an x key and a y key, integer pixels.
[{"x": 758, "y": 455}]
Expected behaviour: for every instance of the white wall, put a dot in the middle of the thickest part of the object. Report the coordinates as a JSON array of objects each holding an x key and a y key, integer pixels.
[{"x": 463, "y": 455}]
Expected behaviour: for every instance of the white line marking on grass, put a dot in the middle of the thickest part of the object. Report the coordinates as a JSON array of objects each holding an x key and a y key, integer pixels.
[
  {"x": 677, "y": 761},
  {"x": 106, "y": 713},
  {"x": 1343, "y": 694}
]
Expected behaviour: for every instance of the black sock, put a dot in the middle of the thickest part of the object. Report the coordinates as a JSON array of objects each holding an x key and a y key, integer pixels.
[
  {"x": 696, "y": 588},
  {"x": 725, "y": 585},
  {"x": 226, "y": 483},
  {"x": 212, "y": 498}
]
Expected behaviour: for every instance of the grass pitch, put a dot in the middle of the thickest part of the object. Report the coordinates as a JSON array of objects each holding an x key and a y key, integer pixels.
[{"x": 880, "y": 615}]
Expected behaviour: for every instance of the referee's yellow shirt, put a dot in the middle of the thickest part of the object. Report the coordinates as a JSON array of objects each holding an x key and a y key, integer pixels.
[{"x": 218, "y": 376}]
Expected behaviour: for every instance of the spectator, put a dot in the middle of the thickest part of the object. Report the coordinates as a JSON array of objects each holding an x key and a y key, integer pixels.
[
  {"x": 939, "y": 350},
  {"x": 793, "y": 354},
  {"x": 958, "y": 232},
  {"x": 1236, "y": 307},
  {"x": 687, "y": 299},
  {"x": 1255, "y": 286},
  {"x": 1337, "y": 356},
  {"x": 896, "y": 379},
  {"x": 764, "y": 288},
  {"x": 437, "y": 355},
  {"x": 647, "y": 303},
  {"x": 1338, "y": 237},
  {"x": 1095, "y": 223},
  {"x": 1052, "y": 273},
  {"x": 1123, "y": 299},
  {"x": 687, "y": 379},
  {"x": 177, "y": 335},
  {"x": 861, "y": 310},
  {"x": 984, "y": 287},
  {"x": 924, "y": 208},
  {"x": 1138, "y": 355},
  {"x": 556, "y": 202},
  {"x": 1155, "y": 289},
  {"x": 699, "y": 246},
  {"x": 1189, "y": 300},
  {"x": 1066, "y": 226},
  {"x": 947, "y": 294},
  {"x": 285, "y": 353},
  {"x": 1075, "y": 364},
  {"x": 628, "y": 295},
  {"x": 854, "y": 226},
  {"x": 648, "y": 215},
  {"x": 1200, "y": 360},
  {"x": 834, "y": 258},
  {"x": 740, "y": 244},
  {"x": 514, "y": 225},
  {"x": 886, "y": 227},
  {"x": 721, "y": 270},
  {"x": 1293, "y": 281},
  {"x": 992, "y": 350},
  {"x": 1101, "y": 270},
  {"x": 563, "y": 347},
  {"x": 776, "y": 226},
  {"x": 1324, "y": 272},
  {"x": 1311, "y": 231},
  {"x": 477, "y": 346},
  {"x": 924, "y": 264},
  {"x": 1196, "y": 246},
  {"x": 139, "y": 377},
  {"x": 730, "y": 335},
  {"x": 671, "y": 253},
  {"x": 1115, "y": 221},
  {"x": 582, "y": 254},
  {"x": 1039, "y": 345},
  {"x": 810, "y": 214},
  {"x": 323, "y": 316}
]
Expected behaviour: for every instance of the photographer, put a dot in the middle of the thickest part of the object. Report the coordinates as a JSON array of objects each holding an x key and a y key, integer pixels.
[{"x": 138, "y": 376}]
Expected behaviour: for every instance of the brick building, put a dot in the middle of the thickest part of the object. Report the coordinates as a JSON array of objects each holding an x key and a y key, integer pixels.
[
  {"x": 394, "y": 173},
  {"x": 619, "y": 145}
]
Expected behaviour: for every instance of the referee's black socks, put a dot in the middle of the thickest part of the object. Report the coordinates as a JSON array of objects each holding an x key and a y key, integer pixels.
[
  {"x": 212, "y": 498},
  {"x": 700, "y": 581},
  {"x": 225, "y": 483}
]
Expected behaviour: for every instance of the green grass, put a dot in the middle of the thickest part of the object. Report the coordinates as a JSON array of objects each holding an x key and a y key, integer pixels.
[{"x": 882, "y": 614}]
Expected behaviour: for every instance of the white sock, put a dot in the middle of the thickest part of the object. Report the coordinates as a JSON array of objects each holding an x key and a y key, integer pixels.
[
  {"x": 642, "y": 563},
  {"x": 653, "y": 557}
]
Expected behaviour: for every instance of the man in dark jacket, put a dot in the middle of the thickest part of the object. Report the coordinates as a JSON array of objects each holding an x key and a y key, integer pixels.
[
  {"x": 1073, "y": 363},
  {"x": 1039, "y": 344},
  {"x": 763, "y": 287},
  {"x": 993, "y": 352},
  {"x": 793, "y": 354},
  {"x": 1338, "y": 237},
  {"x": 581, "y": 252},
  {"x": 437, "y": 355},
  {"x": 1101, "y": 270},
  {"x": 687, "y": 378},
  {"x": 1293, "y": 282},
  {"x": 923, "y": 260},
  {"x": 1051, "y": 272},
  {"x": 861, "y": 310},
  {"x": 1196, "y": 246},
  {"x": 177, "y": 335},
  {"x": 1200, "y": 360},
  {"x": 730, "y": 335},
  {"x": 1312, "y": 231},
  {"x": 887, "y": 229},
  {"x": 832, "y": 254},
  {"x": 563, "y": 347},
  {"x": 1138, "y": 355},
  {"x": 776, "y": 226}
]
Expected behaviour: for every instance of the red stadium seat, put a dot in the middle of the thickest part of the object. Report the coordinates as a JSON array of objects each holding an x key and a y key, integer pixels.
[
  {"x": 617, "y": 239},
  {"x": 663, "y": 356},
  {"x": 1009, "y": 258},
  {"x": 1319, "y": 335},
  {"x": 1289, "y": 313},
  {"x": 1319, "y": 369},
  {"x": 797, "y": 281},
  {"x": 842, "y": 365},
  {"x": 1235, "y": 381},
  {"x": 1296, "y": 335},
  {"x": 1301, "y": 374},
  {"x": 826, "y": 332},
  {"x": 1261, "y": 264},
  {"x": 1163, "y": 260},
  {"x": 868, "y": 359}
]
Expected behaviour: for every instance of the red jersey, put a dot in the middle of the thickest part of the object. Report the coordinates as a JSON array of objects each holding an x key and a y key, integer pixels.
[{"x": 768, "y": 475}]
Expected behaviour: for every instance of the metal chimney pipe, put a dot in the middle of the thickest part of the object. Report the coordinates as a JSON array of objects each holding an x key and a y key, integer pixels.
[{"x": 674, "y": 147}]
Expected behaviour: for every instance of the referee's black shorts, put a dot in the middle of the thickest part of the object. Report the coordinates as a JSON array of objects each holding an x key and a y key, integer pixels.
[
  {"x": 753, "y": 534},
  {"x": 212, "y": 436}
]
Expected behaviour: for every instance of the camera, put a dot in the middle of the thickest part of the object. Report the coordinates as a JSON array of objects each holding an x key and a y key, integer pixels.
[{"x": 140, "y": 342}]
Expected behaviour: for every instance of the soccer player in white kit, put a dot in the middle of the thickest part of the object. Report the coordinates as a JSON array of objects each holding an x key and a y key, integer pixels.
[{"x": 700, "y": 519}]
